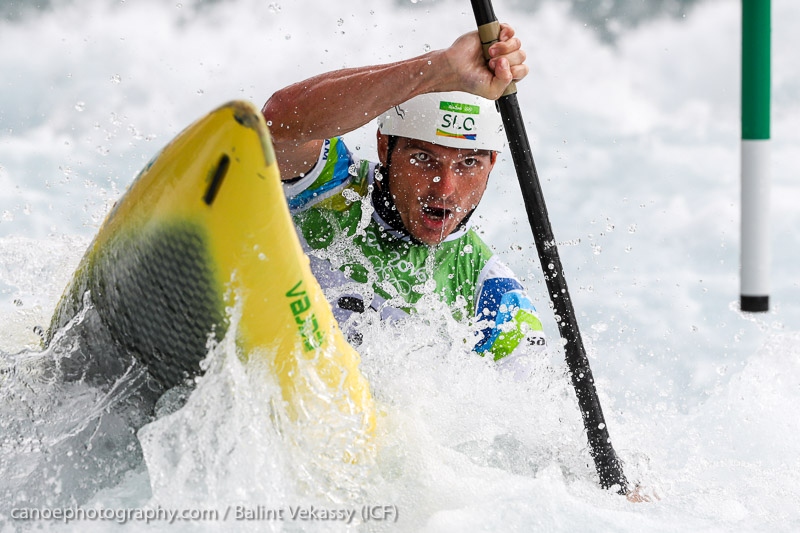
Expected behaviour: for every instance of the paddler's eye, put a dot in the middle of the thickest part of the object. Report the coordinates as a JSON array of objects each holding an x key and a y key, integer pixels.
[
  {"x": 470, "y": 162},
  {"x": 420, "y": 158}
]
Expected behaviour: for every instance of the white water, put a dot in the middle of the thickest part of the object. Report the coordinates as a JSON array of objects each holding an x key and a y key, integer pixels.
[{"x": 637, "y": 147}]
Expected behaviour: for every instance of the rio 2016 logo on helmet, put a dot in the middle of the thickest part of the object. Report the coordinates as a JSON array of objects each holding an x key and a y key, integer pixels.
[{"x": 454, "y": 119}]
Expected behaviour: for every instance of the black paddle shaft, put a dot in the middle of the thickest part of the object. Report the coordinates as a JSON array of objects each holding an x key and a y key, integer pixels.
[{"x": 608, "y": 466}]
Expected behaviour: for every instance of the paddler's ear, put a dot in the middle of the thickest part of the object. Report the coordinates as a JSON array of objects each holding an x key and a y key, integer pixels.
[
  {"x": 383, "y": 148},
  {"x": 493, "y": 160}
]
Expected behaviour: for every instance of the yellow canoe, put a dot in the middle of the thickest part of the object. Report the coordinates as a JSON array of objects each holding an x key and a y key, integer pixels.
[{"x": 205, "y": 228}]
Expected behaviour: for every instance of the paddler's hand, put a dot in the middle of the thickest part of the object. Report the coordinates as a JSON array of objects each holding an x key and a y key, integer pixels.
[
  {"x": 640, "y": 494},
  {"x": 488, "y": 79}
]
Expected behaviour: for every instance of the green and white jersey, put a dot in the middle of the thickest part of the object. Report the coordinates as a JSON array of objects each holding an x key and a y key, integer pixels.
[{"x": 352, "y": 248}]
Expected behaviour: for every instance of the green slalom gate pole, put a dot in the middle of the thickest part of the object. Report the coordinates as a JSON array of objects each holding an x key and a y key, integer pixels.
[
  {"x": 755, "y": 156},
  {"x": 607, "y": 464}
]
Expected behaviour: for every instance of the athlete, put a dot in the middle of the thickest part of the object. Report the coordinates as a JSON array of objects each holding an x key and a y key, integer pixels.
[{"x": 382, "y": 234}]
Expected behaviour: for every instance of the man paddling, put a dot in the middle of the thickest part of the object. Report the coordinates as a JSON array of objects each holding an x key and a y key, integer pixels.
[{"x": 379, "y": 235}]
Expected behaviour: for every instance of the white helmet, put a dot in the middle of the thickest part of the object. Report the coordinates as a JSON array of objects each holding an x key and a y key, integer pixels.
[{"x": 455, "y": 119}]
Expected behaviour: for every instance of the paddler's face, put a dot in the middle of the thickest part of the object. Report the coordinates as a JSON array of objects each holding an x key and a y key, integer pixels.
[{"x": 434, "y": 187}]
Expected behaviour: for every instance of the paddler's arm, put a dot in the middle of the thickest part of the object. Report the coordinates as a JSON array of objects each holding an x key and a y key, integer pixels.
[{"x": 301, "y": 116}]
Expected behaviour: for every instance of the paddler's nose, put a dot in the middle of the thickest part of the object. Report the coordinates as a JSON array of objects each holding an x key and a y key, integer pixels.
[{"x": 445, "y": 182}]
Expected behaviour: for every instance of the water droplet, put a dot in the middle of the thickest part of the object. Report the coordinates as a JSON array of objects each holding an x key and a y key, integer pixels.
[
  {"x": 275, "y": 8},
  {"x": 80, "y": 106},
  {"x": 340, "y": 22},
  {"x": 116, "y": 78},
  {"x": 351, "y": 195},
  {"x": 427, "y": 48},
  {"x": 437, "y": 179},
  {"x": 632, "y": 228}
]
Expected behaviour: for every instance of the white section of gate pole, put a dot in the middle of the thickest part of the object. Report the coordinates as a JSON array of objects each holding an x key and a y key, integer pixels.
[{"x": 755, "y": 212}]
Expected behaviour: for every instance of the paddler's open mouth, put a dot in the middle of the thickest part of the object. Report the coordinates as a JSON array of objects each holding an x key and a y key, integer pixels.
[{"x": 436, "y": 213}]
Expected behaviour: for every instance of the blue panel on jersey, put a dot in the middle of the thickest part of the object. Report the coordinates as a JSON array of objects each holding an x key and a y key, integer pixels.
[
  {"x": 499, "y": 299},
  {"x": 327, "y": 181}
]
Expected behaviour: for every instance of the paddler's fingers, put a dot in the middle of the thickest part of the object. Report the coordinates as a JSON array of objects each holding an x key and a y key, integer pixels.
[
  {"x": 505, "y": 70},
  {"x": 503, "y": 75},
  {"x": 506, "y": 43},
  {"x": 509, "y": 48}
]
